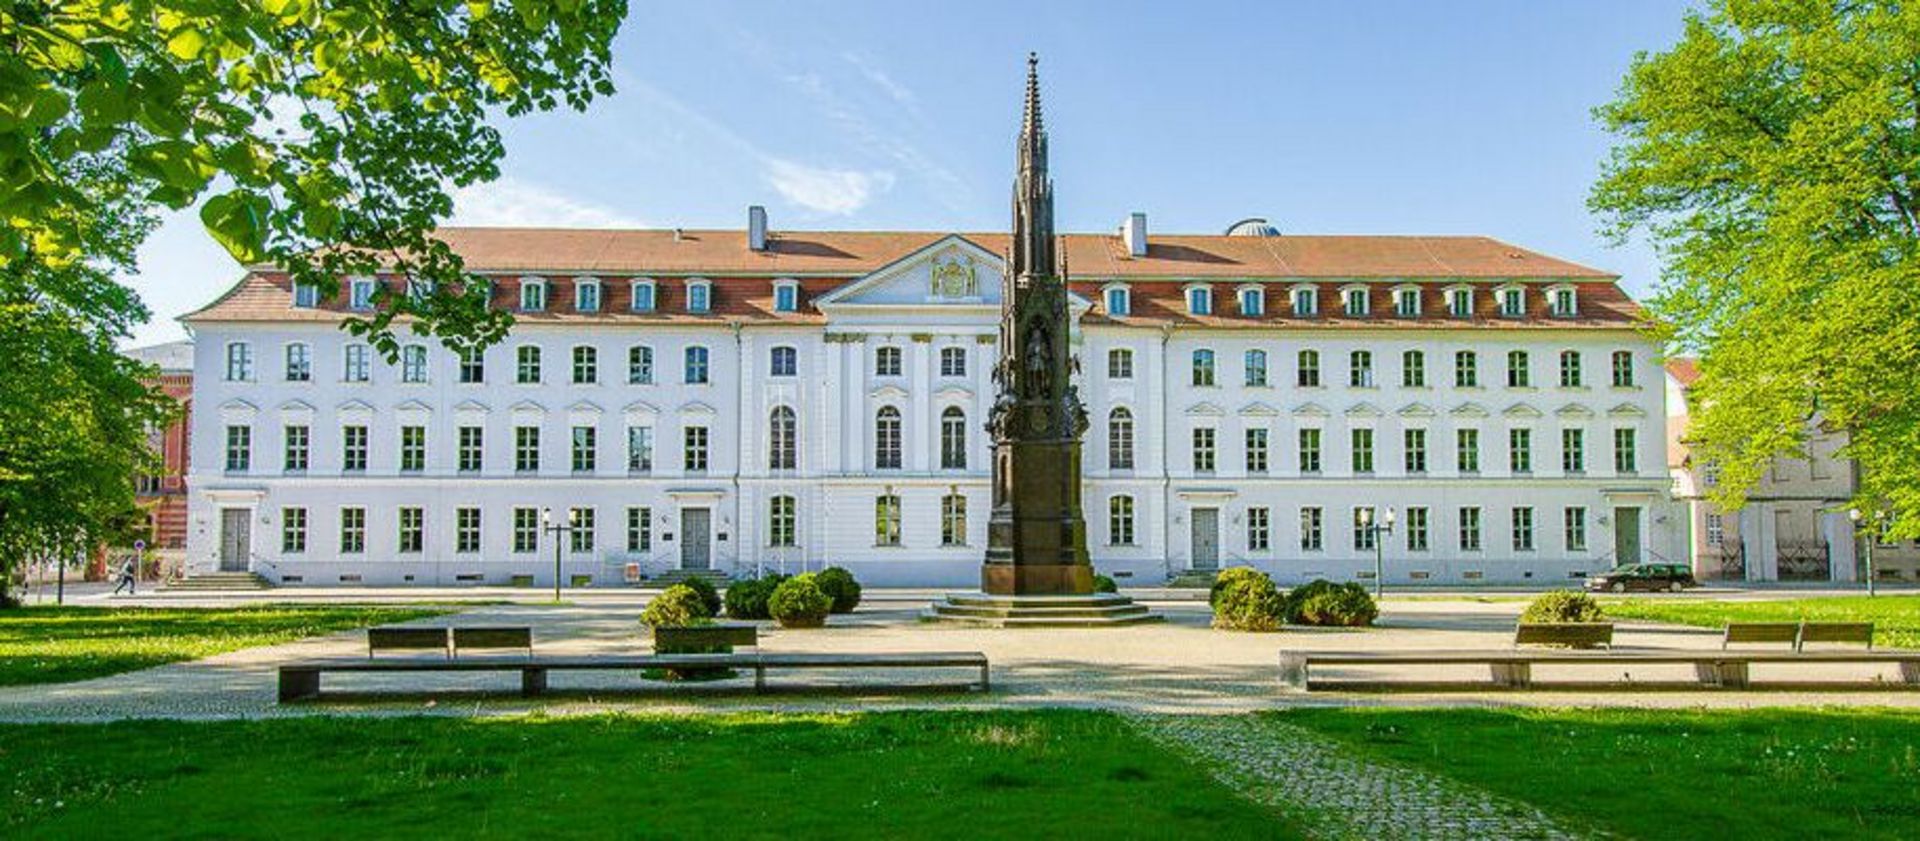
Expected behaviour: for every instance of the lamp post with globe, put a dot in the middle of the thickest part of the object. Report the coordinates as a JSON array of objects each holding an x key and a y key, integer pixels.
[{"x": 1374, "y": 530}]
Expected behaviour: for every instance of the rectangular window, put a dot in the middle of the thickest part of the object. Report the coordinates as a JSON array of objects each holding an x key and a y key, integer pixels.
[
  {"x": 953, "y": 520},
  {"x": 1518, "y": 373},
  {"x": 1415, "y": 450},
  {"x": 1413, "y": 369},
  {"x": 1308, "y": 369},
  {"x": 533, "y": 296},
  {"x": 586, "y": 297},
  {"x": 1523, "y": 529},
  {"x": 1259, "y": 529},
  {"x": 1119, "y": 364},
  {"x": 1309, "y": 451},
  {"x": 1417, "y": 529},
  {"x": 586, "y": 448},
  {"x": 1406, "y": 303},
  {"x": 699, "y": 298},
  {"x": 1358, "y": 302},
  {"x": 356, "y": 366},
  {"x": 360, "y": 294},
  {"x": 1362, "y": 450},
  {"x": 526, "y": 449},
  {"x": 299, "y": 363},
  {"x": 694, "y": 451},
  {"x": 639, "y": 365},
  {"x": 473, "y": 366},
  {"x": 1565, "y": 304},
  {"x": 413, "y": 364},
  {"x": 1306, "y": 302},
  {"x": 293, "y": 530},
  {"x": 639, "y": 529},
  {"x": 239, "y": 362},
  {"x": 783, "y": 362},
  {"x": 1466, "y": 450},
  {"x": 1311, "y": 522},
  {"x": 239, "y": 448},
  {"x": 586, "y": 365},
  {"x": 1203, "y": 367},
  {"x": 413, "y": 524},
  {"x": 1466, "y": 369},
  {"x": 1622, "y": 369},
  {"x": 1364, "y": 535},
  {"x": 1716, "y": 530},
  {"x": 786, "y": 298},
  {"x": 696, "y": 366},
  {"x": 639, "y": 449},
  {"x": 887, "y": 361},
  {"x": 1120, "y": 440},
  {"x": 953, "y": 362},
  {"x": 526, "y": 364},
  {"x": 1520, "y": 450},
  {"x": 413, "y": 449},
  {"x": 472, "y": 440},
  {"x": 1572, "y": 370},
  {"x": 1117, "y": 302},
  {"x": 466, "y": 530},
  {"x": 643, "y": 297},
  {"x": 1120, "y": 521},
  {"x": 1360, "y": 369},
  {"x": 1470, "y": 529},
  {"x": 1203, "y": 454},
  {"x": 581, "y": 539},
  {"x": 1460, "y": 303},
  {"x": 1513, "y": 303},
  {"x": 1256, "y": 451},
  {"x": 1200, "y": 301},
  {"x": 886, "y": 520},
  {"x": 781, "y": 520},
  {"x": 1574, "y": 520},
  {"x": 1252, "y": 302},
  {"x": 1626, "y": 446},
  {"x": 1256, "y": 365},
  {"x": 353, "y": 531},
  {"x": 526, "y": 530},
  {"x": 297, "y": 447},
  {"x": 353, "y": 449},
  {"x": 1573, "y": 450}
]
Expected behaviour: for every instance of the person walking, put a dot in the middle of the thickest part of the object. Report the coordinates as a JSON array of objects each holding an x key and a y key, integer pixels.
[{"x": 126, "y": 580}]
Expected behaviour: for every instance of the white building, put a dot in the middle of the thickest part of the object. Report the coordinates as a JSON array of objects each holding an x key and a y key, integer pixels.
[{"x": 748, "y": 399}]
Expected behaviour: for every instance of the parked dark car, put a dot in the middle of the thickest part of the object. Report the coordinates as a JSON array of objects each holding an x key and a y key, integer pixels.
[{"x": 1670, "y": 577}]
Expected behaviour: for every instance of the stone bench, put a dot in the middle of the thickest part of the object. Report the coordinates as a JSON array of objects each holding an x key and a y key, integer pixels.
[
  {"x": 1514, "y": 669},
  {"x": 301, "y": 680},
  {"x": 1798, "y": 634}
]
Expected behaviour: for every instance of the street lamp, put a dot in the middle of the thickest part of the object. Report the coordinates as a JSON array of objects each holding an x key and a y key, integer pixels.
[
  {"x": 1856, "y": 515},
  {"x": 1374, "y": 531},
  {"x": 547, "y": 525}
]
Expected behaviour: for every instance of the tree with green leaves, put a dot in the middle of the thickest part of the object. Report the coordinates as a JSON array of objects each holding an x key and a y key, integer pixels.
[
  {"x": 1773, "y": 157},
  {"x": 322, "y": 136}
]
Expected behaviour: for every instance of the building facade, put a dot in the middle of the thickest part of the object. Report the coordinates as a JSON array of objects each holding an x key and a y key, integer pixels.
[
  {"x": 163, "y": 495},
  {"x": 743, "y": 400}
]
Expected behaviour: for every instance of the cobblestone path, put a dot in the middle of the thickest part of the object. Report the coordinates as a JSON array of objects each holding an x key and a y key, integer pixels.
[{"x": 1335, "y": 795}]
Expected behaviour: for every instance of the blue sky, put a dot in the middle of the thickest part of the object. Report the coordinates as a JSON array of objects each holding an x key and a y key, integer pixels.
[{"x": 1466, "y": 116}]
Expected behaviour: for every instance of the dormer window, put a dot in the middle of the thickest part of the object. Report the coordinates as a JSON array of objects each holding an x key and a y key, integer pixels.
[
  {"x": 699, "y": 296},
  {"x": 1513, "y": 302},
  {"x": 586, "y": 295},
  {"x": 306, "y": 295},
  {"x": 1253, "y": 301},
  {"x": 1460, "y": 302},
  {"x": 1306, "y": 301},
  {"x": 1119, "y": 301},
  {"x": 786, "y": 296},
  {"x": 642, "y": 296},
  {"x": 1356, "y": 301},
  {"x": 360, "y": 293},
  {"x": 1563, "y": 301},
  {"x": 533, "y": 294},
  {"x": 1406, "y": 302},
  {"x": 1199, "y": 300}
]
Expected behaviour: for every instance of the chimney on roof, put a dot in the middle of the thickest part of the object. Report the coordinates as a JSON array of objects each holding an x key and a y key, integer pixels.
[
  {"x": 1134, "y": 233},
  {"x": 757, "y": 228}
]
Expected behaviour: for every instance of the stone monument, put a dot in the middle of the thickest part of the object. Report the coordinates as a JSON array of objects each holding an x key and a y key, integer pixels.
[{"x": 1036, "y": 570}]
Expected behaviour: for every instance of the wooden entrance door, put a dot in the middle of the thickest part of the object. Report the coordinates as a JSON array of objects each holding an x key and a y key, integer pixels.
[
  {"x": 1206, "y": 538},
  {"x": 1626, "y": 536},
  {"x": 696, "y": 538},
  {"x": 236, "y": 538}
]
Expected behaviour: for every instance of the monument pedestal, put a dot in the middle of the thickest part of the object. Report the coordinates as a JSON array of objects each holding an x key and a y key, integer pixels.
[{"x": 1093, "y": 610}]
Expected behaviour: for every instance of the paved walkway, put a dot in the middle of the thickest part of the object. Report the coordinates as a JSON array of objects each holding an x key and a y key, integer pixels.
[
  {"x": 1181, "y": 666},
  {"x": 1320, "y": 784}
]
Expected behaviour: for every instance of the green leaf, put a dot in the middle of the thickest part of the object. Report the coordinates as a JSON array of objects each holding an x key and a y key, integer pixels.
[
  {"x": 238, "y": 221},
  {"x": 187, "y": 43}
]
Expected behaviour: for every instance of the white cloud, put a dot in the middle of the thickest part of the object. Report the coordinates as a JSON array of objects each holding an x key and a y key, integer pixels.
[
  {"x": 899, "y": 92},
  {"x": 837, "y": 191},
  {"x": 511, "y": 202}
]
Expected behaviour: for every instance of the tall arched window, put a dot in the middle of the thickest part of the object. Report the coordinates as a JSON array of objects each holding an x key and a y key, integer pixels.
[
  {"x": 953, "y": 439},
  {"x": 782, "y": 452},
  {"x": 886, "y": 439},
  {"x": 1120, "y": 440}
]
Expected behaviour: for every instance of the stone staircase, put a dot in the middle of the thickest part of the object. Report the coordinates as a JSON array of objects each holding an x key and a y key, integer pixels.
[
  {"x": 1095, "y": 610},
  {"x": 217, "y": 582},
  {"x": 679, "y": 576}
]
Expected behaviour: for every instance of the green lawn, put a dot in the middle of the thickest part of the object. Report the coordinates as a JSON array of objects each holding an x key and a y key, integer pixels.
[
  {"x": 885, "y": 775},
  {"x": 1651, "y": 774},
  {"x": 1896, "y": 619},
  {"x": 59, "y": 644}
]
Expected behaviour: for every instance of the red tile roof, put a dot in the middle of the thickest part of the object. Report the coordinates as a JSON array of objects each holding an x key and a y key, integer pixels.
[{"x": 1685, "y": 370}]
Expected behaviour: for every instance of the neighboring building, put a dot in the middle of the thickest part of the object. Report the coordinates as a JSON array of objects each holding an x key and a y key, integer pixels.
[
  {"x": 745, "y": 399},
  {"x": 1794, "y": 526},
  {"x": 164, "y": 495}
]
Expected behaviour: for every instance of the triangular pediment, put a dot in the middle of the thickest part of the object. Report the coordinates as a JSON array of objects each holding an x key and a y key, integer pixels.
[
  {"x": 1416, "y": 410},
  {"x": 414, "y": 407},
  {"x": 1258, "y": 409},
  {"x": 1468, "y": 410},
  {"x": 1363, "y": 410},
  {"x": 1521, "y": 410},
  {"x": 354, "y": 407},
  {"x": 950, "y": 270},
  {"x": 696, "y": 408},
  {"x": 1205, "y": 410},
  {"x": 472, "y": 407},
  {"x": 1311, "y": 410},
  {"x": 296, "y": 407},
  {"x": 237, "y": 406},
  {"x": 1626, "y": 410},
  {"x": 641, "y": 409},
  {"x": 889, "y": 392},
  {"x": 584, "y": 407},
  {"x": 954, "y": 392},
  {"x": 528, "y": 407},
  {"x": 1573, "y": 410}
]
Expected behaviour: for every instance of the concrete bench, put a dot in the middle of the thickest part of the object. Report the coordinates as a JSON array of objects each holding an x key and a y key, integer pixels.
[
  {"x": 1798, "y": 634},
  {"x": 1761, "y": 632},
  {"x": 492, "y": 638},
  {"x": 683, "y": 639},
  {"x": 1514, "y": 669},
  {"x": 407, "y": 639},
  {"x": 1841, "y": 632},
  {"x": 1570, "y": 634},
  {"x": 301, "y": 680}
]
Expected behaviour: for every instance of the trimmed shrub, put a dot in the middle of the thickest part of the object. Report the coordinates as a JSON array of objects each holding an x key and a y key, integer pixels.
[
  {"x": 800, "y": 603},
  {"x": 678, "y": 605},
  {"x": 1327, "y": 603},
  {"x": 747, "y": 598},
  {"x": 1229, "y": 576},
  {"x": 840, "y": 586},
  {"x": 1563, "y": 606},
  {"x": 1249, "y": 603},
  {"x": 1105, "y": 584},
  {"x": 708, "y": 595}
]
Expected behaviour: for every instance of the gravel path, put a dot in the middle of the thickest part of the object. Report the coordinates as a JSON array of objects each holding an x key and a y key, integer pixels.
[{"x": 1332, "y": 794}]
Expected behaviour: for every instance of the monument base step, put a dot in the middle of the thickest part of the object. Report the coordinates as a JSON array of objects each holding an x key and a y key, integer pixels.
[{"x": 1095, "y": 610}]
